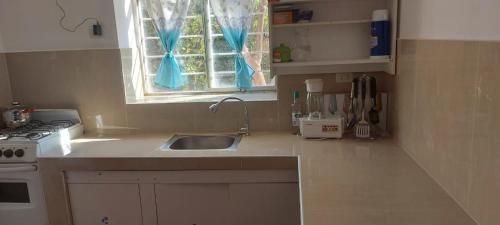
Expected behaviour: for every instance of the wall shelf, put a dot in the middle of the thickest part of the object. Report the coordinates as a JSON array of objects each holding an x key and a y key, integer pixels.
[
  {"x": 327, "y": 23},
  {"x": 331, "y": 62},
  {"x": 339, "y": 37}
]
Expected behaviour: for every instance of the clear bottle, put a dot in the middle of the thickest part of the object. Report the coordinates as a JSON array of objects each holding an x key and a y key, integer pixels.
[
  {"x": 302, "y": 47},
  {"x": 315, "y": 105},
  {"x": 296, "y": 113}
]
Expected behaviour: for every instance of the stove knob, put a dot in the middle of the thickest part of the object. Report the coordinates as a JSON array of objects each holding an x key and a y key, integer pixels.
[
  {"x": 19, "y": 153},
  {"x": 8, "y": 153},
  {"x": 0, "y": 153}
]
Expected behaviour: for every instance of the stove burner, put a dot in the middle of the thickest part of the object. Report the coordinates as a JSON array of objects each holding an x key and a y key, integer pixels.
[
  {"x": 4, "y": 136},
  {"x": 34, "y": 136},
  {"x": 35, "y": 129}
]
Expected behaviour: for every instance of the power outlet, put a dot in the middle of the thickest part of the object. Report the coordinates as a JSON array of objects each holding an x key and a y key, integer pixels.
[{"x": 343, "y": 77}]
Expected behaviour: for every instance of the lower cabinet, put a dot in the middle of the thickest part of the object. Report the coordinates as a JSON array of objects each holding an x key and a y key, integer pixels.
[
  {"x": 264, "y": 204},
  {"x": 192, "y": 204},
  {"x": 168, "y": 198},
  {"x": 94, "y": 204},
  {"x": 228, "y": 204}
]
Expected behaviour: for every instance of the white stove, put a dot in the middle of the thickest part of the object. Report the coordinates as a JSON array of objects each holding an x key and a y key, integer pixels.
[
  {"x": 21, "y": 194},
  {"x": 48, "y": 129}
]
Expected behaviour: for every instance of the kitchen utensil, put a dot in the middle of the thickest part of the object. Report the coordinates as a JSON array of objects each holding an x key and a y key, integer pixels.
[
  {"x": 379, "y": 104},
  {"x": 17, "y": 115},
  {"x": 373, "y": 114},
  {"x": 353, "y": 108},
  {"x": 363, "y": 128},
  {"x": 332, "y": 106},
  {"x": 346, "y": 105}
]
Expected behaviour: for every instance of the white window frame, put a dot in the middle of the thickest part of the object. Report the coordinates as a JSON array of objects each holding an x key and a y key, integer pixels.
[{"x": 208, "y": 58}]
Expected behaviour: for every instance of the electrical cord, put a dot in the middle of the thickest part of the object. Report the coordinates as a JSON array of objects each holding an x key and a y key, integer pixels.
[{"x": 61, "y": 19}]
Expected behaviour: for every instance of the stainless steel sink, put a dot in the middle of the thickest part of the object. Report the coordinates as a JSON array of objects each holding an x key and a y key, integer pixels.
[{"x": 203, "y": 142}]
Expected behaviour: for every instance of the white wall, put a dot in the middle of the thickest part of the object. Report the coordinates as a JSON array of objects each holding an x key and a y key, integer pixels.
[
  {"x": 125, "y": 24},
  {"x": 450, "y": 19},
  {"x": 32, "y": 25}
]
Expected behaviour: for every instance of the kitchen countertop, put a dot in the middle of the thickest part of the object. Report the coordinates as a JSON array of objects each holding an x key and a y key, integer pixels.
[{"x": 345, "y": 182}]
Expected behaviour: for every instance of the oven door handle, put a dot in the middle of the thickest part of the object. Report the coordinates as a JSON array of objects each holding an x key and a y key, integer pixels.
[{"x": 18, "y": 169}]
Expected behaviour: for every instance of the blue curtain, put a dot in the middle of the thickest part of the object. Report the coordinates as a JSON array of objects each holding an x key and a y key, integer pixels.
[
  {"x": 234, "y": 17},
  {"x": 168, "y": 17}
]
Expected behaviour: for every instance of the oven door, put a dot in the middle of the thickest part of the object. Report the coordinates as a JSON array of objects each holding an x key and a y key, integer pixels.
[{"x": 21, "y": 195}]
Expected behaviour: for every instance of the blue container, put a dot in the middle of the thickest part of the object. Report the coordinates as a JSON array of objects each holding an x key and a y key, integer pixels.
[{"x": 381, "y": 35}]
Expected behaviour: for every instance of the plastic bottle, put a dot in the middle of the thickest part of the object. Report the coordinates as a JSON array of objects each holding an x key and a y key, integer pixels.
[
  {"x": 296, "y": 112},
  {"x": 381, "y": 35},
  {"x": 302, "y": 47}
]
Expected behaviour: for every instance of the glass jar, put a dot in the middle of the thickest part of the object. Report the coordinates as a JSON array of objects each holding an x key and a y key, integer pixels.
[
  {"x": 314, "y": 99},
  {"x": 315, "y": 105}
]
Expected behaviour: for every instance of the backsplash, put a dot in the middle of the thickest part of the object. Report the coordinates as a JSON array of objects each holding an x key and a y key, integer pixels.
[
  {"x": 445, "y": 115},
  {"x": 91, "y": 81},
  {"x": 5, "y": 93}
]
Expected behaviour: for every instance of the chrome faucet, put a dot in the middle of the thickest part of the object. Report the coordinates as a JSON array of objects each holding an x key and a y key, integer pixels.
[{"x": 244, "y": 130}]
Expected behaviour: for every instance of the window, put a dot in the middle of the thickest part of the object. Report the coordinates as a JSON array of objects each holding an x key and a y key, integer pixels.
[{"x": 203, "y": 54}]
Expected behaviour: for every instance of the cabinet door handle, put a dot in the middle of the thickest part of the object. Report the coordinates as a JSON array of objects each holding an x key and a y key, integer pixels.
[{"x": 18, "y": 169}]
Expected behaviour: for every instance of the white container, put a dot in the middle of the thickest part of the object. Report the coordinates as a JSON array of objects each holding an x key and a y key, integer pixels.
[
  {"x": 332, "y": 127},
  {"x": 314, "y": 99},
  {"x": 314, "y": 85},
  {"x": 380, "y": 15}
]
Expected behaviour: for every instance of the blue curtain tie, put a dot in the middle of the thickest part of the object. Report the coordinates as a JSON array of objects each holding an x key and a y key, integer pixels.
[
  {"x": 244, "y": 72},
  {"x": 169, "y": 73}
]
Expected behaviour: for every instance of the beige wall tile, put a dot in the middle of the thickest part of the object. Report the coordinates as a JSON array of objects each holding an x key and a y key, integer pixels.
[
  {"x": 446, "y": 104},
  {"x": 484, "y": 198},
  {"x": 88, "y": 80},
  {"x": 161, "y": 117},
  {"x": 92, "y": 81},
  {"x": 229, "y": 117},
  {"x": 5, "y": 91}
]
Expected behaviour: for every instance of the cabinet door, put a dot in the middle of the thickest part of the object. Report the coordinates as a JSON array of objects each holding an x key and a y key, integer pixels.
[
  {"x": 113, "y": 204},
  {"x": 264, "y": 204},
  {"x": 189, "y": 204}
]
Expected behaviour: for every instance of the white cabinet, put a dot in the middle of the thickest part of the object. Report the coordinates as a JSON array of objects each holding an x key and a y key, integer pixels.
[
  {"x": 264, "y": 204},
  {"x": 185, "y": 197},
  {"x": 228, "y": 204},
  {"x": 338, "y": 36},
  {"x": 188, "y": 204},
  {"x": 113, "y": 204}
]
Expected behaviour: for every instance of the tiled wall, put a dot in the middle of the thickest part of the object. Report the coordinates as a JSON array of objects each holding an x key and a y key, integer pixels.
[
  {"x": 5, "y": 93},
  {"x": 446, "y": 116},
  {"x": 91, "y": 81}
]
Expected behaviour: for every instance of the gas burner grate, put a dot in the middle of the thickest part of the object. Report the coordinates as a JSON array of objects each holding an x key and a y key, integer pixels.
[
  {"x": 35, "y": 129},
  {"x": 4, "y": 136}
]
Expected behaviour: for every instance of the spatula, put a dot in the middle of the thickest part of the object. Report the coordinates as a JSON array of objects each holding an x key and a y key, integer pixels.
[
  {"x": 353, "y": 108},
  {"x": 363, "y": 128},
  {"x": 373, "y": 114}
]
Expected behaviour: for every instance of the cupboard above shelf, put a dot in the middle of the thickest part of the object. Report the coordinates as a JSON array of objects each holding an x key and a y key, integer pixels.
[{"x": 327, "y": 23}]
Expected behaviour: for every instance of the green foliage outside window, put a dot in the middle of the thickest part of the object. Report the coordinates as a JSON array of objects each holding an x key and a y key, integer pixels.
[{"x": 191, "y": 51}]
